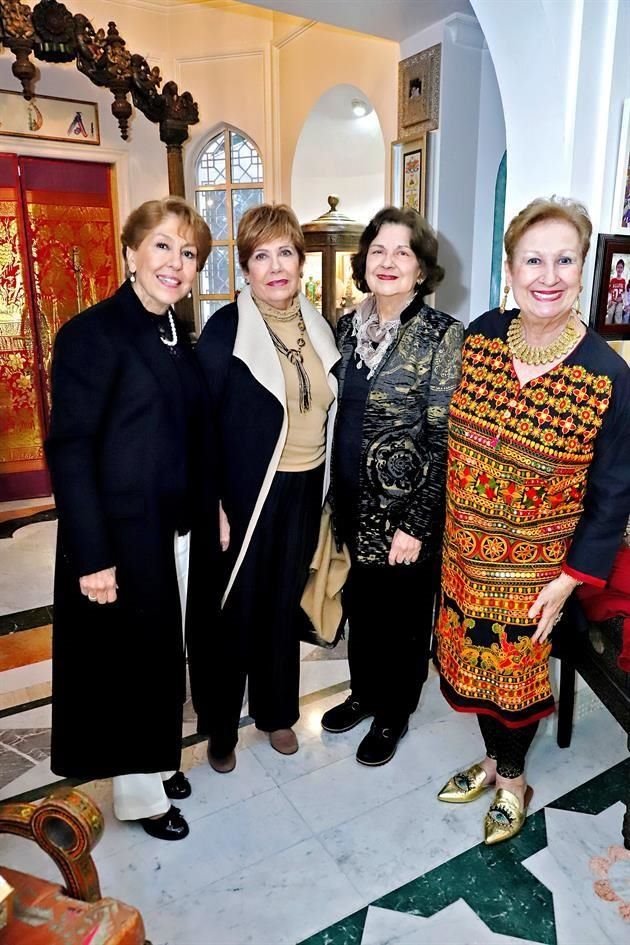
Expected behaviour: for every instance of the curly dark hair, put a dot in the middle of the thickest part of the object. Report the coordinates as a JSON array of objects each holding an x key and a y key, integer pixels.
[{"x": 423, "y": 242}]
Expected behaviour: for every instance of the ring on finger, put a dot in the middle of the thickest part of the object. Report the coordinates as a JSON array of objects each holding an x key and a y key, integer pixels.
[
  {"x": 90, "y": 597},
  {"x": 406, "y": 561}
]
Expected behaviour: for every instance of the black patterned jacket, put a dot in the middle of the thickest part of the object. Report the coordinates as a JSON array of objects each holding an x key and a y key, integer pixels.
[{"x": 403, "y": 454}]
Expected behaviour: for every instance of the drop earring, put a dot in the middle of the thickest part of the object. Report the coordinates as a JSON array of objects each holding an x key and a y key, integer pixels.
[
  {"x": 132, "y": 277},
  {"x": 577, "y": 308},
  {"x": 189, "y": 294},
  {"x": 506, "y": 292}
]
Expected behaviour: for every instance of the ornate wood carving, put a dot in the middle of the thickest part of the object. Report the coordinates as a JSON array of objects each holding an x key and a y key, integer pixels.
[
  {"x": 67, "y": 826},
  {"x": 53, "y": 34}
]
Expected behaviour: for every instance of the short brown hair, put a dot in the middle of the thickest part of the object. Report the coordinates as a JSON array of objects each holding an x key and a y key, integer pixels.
[
  {"x": 422, "y": 240},
  {"x": 150, "y": 214},
  {"x": 268, "y": 222},
  {"x": 549, "y": 208}
]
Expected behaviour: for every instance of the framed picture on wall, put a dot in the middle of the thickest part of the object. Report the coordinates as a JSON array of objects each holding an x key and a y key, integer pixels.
[
  {"x": 419, "y": 93},
  {"x": 48, "y": 117},
  {"x": 610, "y": 304},
  {"x": 621, "y": 204},
  {"x": 409, "y": 173}
]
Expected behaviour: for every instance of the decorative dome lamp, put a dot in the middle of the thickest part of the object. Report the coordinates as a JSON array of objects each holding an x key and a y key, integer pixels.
[{"x": 330, "y": 242}]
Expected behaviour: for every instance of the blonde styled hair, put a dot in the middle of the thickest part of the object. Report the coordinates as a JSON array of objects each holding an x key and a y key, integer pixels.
[
  {"x": 150, "y": 214},
  {"x": 265, "y": 223},
  {"x": 549, "y": 208}
]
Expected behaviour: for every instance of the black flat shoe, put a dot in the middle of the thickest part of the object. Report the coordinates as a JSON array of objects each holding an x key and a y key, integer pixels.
[
  {"x": 178, "y": 787},
  {"x": 170, "y": 826},
  {"x": 379, "y": 745},
  {"x": 343, "y": 717}
]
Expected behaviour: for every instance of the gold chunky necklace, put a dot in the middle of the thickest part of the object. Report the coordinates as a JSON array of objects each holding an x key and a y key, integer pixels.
[{"x": 533, "y": 354}]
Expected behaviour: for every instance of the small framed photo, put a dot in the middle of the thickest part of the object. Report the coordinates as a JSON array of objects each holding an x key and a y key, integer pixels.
[
  {"x": 409, "y": 173},
  {"x": 419, "y": 93},
  {"x": 610, "y": 302},
  {"x": 621, "y": 204}
]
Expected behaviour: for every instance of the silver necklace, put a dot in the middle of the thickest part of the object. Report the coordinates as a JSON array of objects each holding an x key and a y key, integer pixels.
[{"x": 172, "y": 341}]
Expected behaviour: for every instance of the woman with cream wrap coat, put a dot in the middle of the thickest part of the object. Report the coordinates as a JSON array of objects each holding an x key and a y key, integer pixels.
[{"x": 267, "y": 361}]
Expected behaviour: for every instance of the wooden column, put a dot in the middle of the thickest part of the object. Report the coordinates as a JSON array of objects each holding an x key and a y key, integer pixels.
[{"x": 173, "y": 133}]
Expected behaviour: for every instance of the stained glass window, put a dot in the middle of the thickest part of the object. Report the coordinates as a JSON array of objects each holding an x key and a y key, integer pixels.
[{"x": 225, "y": 188}]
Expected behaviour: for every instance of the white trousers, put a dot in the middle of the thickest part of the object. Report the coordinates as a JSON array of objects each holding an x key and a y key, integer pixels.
[{"x": 140, "y": 795}]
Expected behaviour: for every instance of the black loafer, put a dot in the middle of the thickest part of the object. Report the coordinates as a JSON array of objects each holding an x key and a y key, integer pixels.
[
  {"x": 178, "y": 787},
  {"x": 170, "y": 826},
  {"x": 345, "y": 716},
  {"x": 379, "y": 745}
]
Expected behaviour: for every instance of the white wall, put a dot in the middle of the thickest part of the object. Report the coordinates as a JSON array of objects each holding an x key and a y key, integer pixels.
[
  {"x": 352, "y": 163},
  {"x": 490, "y": 151},
  {"x": 464, "y": 157},
  {"x": 563, "y": 71}
]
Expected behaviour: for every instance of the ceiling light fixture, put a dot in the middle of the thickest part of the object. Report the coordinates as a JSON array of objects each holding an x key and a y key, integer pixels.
[{"x": 359, "y": 108}]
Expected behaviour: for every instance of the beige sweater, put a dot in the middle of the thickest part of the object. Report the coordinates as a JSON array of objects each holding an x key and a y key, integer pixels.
[{"x": 305, "y": 447}]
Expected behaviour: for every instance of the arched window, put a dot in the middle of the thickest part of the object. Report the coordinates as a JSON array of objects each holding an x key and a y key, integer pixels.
[{"x": 229, "y": 180}]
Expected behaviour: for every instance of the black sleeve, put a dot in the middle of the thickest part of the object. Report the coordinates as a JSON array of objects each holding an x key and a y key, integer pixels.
[
  {"x": 343, "y": 328},
  {"x": 601, "y": 526},
  {"x": 83, "y": 375},
  {"x": 214, "y": 352},
  {"x": 426, "y": 502}
]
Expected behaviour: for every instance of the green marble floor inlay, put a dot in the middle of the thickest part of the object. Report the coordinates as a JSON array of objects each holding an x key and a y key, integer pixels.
[{"x": 492, "y": 880}]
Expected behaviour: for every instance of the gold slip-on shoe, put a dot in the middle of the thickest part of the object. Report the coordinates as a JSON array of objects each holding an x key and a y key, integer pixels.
[
  {"x": 464, "y": 786},
  {"x": 505, "y": 816}
]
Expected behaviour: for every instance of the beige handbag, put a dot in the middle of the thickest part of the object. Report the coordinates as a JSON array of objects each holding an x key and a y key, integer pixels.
[{"x": 321, "y": 600}]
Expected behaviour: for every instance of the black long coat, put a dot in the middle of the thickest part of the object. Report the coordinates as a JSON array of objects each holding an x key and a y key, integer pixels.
[
  {"x": 246, "y": 414},
  {"x": 119, "y": 456}
]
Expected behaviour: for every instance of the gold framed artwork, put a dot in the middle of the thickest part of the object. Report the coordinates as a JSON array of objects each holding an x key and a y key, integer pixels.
[
  {"x": 419, "y": 93},
  {"x": 409, "y": 173},
  {"x": 50, "y": 118}
]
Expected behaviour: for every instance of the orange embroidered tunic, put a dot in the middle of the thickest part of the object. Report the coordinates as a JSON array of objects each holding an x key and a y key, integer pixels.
[{"x": 521, "y": 462}]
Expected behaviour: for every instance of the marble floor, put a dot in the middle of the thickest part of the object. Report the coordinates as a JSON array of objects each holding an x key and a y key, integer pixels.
[{"x": 314, "y": 847}]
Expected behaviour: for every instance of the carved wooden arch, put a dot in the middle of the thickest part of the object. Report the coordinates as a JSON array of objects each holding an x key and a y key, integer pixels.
[{"x": 52, "y": 34}]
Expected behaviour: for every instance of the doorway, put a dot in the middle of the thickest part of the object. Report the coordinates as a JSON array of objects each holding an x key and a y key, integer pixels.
[{"x": 58, "y": 255}]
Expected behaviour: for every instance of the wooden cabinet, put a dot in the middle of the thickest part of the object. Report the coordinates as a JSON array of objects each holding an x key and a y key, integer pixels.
[{"x": 331, "y": 241}]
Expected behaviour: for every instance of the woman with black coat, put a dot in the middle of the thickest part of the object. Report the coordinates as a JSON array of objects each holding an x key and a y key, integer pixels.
[{"x": 125, "y": 393}]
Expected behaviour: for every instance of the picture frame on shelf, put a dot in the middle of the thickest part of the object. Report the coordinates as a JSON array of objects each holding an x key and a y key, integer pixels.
[
  {"x": 409, "y": 173},
  {"x": 419, "y": 93},
  {"x": 620, "y": 222},
  {"x": 610, "y": 300}
]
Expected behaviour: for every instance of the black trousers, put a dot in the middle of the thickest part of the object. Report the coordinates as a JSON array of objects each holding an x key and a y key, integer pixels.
[
  {"x": 390, "y": 614},
  {"x": 262, "y": 622},
  {"x": 507, "y": 746}
]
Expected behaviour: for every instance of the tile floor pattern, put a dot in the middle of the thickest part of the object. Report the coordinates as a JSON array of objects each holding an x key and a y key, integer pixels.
[{"x": 316, "y": 849}]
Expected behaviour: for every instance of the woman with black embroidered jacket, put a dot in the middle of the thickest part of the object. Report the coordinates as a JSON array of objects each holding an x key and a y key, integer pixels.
[{"x": 400, "y": 363}]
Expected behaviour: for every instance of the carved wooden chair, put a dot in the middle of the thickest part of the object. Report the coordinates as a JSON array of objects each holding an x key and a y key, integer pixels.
[
  {"x": 591, "y": 650},
  {"x": 66, "y": 826}
]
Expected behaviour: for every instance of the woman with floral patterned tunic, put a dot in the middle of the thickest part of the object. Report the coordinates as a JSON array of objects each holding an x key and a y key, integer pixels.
[{"x": 538, "y": 494}]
